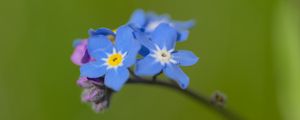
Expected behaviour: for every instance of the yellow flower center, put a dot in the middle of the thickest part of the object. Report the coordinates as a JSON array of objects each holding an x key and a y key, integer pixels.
[{"x": 115, "y": 59}]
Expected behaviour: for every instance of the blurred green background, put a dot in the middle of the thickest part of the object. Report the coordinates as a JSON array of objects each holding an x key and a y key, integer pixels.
[{"x": 249, "y": 50}]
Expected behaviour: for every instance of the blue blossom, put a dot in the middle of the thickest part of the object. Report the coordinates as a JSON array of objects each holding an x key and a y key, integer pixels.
[
  {"x": 163, "y": 56},
  {"x": 113, "y": 54},
  {"x": 148, "y": 22}
]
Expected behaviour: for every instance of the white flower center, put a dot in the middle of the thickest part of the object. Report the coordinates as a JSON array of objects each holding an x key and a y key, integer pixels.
[
  {"x": 114, "y": 59},
  {"x": 163, "y": 55}
]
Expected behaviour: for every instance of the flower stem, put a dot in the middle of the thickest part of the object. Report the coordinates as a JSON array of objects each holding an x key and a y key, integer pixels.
[
  {"x": 188, "y": 92},
  {"x": 154, "y": 78}
]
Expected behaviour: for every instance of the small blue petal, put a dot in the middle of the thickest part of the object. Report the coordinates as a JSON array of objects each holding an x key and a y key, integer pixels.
[
  {"x": 138, "y": 18},
  {"x": 148, "y": 66},
  {"x": 130, "y": 59},
  {"x": 144, "y": 41},
  {"x": 183, "y": 25},
  {"x": 125, "y": 42},
  {"x": 164, "y": 36},
  {"x": 98, "y": 46},
  {"x": 116, "y": 78},
  {"x": 101, "y": 31},
  {"x": 185, "y": 58},
  {"x": 93, "y": 69},
  {"x": 182, "y": 35},
  {"x": 174, "y": 72},
  {"x": 154, "y": 20},
  {"x": 154, "y": 17}
]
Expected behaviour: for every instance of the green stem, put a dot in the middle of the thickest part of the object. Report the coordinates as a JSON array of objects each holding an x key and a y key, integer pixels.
[{"x": 188, "y": 92}]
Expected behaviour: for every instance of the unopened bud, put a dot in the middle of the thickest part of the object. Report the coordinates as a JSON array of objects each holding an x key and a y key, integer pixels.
[
  {"x": 98, "y": 107},
  {"x": 84, "y": 82},
  {"x": 218, "y": 99},
  {"x": 97, "y": 81},
  {"x": 93, "y": 94}
]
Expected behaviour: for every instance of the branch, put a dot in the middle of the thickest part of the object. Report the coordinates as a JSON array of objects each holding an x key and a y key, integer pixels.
[{"x": 188, "y": 92}]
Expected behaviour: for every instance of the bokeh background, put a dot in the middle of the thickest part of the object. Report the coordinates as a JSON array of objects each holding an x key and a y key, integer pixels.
[{"x": 249, "y": 50}]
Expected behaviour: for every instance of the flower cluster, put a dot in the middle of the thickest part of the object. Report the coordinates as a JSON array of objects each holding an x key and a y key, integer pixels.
[{"x": 146, "y": 43}]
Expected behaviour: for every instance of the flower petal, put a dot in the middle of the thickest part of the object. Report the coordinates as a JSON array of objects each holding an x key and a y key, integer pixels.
[
  {"x": 93, "y": 69},
  {"x": 182, "y": 35},
  {"x": 80, "y": 56},
  {"x": 185, "y": 58},
  {"x": 125, "y": 42},
  {"x": 101, "y": 31},
  {"x": 98, "y": 46},
  {"x": 144, "y": 40},
  {"x": 138, "y": 18},
  {"x": 130, "y": 59},
  {"x": 183, "y": 25},
  {"x": 174, "y": 72},
  {"x": 116, "y": 78},
  {"x": 148, "y": 66},
  {"x": 164, "y": 36}
]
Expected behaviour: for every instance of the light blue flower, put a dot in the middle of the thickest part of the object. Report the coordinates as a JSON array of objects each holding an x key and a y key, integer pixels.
[
  {"x": 148, "y": 22},
  {"x": 112, "y": 59},
  {"x": 163, "y": 56}
]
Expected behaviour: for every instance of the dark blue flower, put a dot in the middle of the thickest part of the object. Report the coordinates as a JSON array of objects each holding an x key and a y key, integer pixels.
[
  {"x": 164, "y": 57},
  {"x": 149, "y": 21},
  {"x": 113, "y": 54}
]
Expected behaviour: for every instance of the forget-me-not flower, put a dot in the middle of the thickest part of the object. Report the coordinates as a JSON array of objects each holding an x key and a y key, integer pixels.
[
  {"x": 80, "y": 55},
  {"x": 163, "y": 56},
  {"x": 148, "y": 22},
  {"x": 112, "y": 59}
]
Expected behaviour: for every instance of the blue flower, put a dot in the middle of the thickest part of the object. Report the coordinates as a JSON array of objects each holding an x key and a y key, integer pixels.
[
  {"x": 113, "y": 54},
  {"x": 164, "y": 57},
  {"x": 149, "y": 21}
]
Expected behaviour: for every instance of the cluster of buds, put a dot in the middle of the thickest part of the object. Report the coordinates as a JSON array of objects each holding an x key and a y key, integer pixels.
[{"x": 95, "y": 93}]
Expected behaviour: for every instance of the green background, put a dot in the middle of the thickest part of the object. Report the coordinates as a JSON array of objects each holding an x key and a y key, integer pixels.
[{"x": 248, "y": 49}]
